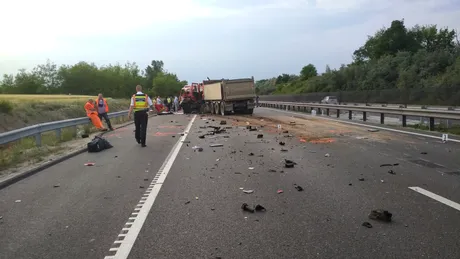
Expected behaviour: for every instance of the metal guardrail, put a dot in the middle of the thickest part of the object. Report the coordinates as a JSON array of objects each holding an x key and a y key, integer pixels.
[
  {"x": 38, "y": 129},
  {"x": 404, "y": 112}
]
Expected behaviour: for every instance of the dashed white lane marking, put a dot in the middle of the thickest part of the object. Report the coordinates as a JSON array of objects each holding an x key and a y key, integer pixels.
[
  {"x": 434, "y": 196},
  {"x": 125, "y": 241}
]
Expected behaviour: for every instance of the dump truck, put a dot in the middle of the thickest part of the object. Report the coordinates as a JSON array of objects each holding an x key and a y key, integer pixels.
[{"x": 226, "y": 96}]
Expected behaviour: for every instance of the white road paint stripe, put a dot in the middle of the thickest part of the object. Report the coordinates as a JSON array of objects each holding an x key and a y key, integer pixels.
[
  {"x": 122, "y": 252},
  {"x": 364, "y": 125},
  {"x": 436, "y": 197}
]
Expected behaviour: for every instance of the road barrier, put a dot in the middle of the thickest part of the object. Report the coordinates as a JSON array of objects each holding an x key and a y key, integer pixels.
[
  {"x": 57, "y": 126},
  {"x": 403, "y": 112}
]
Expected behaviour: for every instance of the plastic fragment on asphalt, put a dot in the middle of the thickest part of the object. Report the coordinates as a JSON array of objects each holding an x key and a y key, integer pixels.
[
  {"x": 303, "y": 140},
  {"x": 245, "y": 207},
  {"x": 282, "y": 143},
  {"x": 216, "y": 145},
  {"x": 248, "y": 191},
  {"x": 391, "y": 172},
  {"x": 298, "y": 188},
  {"x": 367, "y": 224},
  {"x": 279, "y": 191},
  {"x": 17, "y": 201},
  {"x": 327, "y": 155},
  {"x": 90, "y": 164},
  {"x": 289, "y": 163},
  {"x": 382, "y": 215},
  {"x": 251, "y": 168},
  {"x": 197, "y": 148}
]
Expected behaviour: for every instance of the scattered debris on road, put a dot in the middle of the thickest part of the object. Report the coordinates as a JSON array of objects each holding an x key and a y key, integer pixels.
[
  {"x": 373, "y": 130},
  {"x": 216, "y": 145},
  {"x": 248, "y": 191},
  {"x": 391, "y": 172},
  {"x": 251, "y": 168},
  {"x": 251, "y": 154},
  {"x": 259, "y": 208},
  {"x": 197, "y": 148},
  {"x": 382, "y": 215},
  {"x": 245, "y": 207},
  {"x": 383, "y": 165},
  {"x": 289, "y": 163},
  {"x": 223, "y": 122},
  {"x": 298, "y": 187},
  {"x": 423, "y": 153},
  {"x": 187, "y": 202},
  {"x": 90, "y": 164},
  {"x": 17, "y": 201},
  {"x": 279, "y": 191},
  {"x": 327, "y": 155},
  {"x": 260, "y": 135},
  {"x": 56, "y": 185},
  {"x": 361, "y": 179},
  {"x": 284, "y": 150},
  {"x": 272, "y": 170},
  {"x": 282, "y": 143},
  {"x": 367, "y": 224}
]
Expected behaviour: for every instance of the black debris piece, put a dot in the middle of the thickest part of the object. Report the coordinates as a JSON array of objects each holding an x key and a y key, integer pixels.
[
  {"x": 367, "y": 224},
  {"x": 182, "y": 134},
  {"x": 187, "y": 202},
  {"x": 141, "y": 187},
  {"x": 298, "y": 188},
  {"x": 173, "y": 136},
  {"x": 56, "y": 185},
  {"x": 272, "y": 170},
  {"x": 84, "y": 136},
  {"x": 260, "y": 135},
  {"x": 391, "y": 172},
  {"x": 202, "y": 136},
  {"x": 237, "y": 172},
  {"x": 383, "y": 165},
  {"x": 289, "y": 163},
  {"x": 373, "y": 130},
  {"x": 282, "y": 143},
  {"x": 249, "y": 127},
  {"x": 223, "y": 122},
  {"x": 251, "y": 154},
  {"x": 253, "y": 129},
  {"x": 216, "y": 145},
  {"x": 285, "y": 131},
  {"x": 423, "y": 153},
  {"x": 146, "y": 179},
  {"x": 350, "y": 184},
  {"x": 245, "y": 207},
  {"x": 361, "y": 179},
  {"x": 284, "y": 150},
  {"x": 382, "y": 215},
  {"x": 259, "y": 208},
  {"x": 396, "y": 164}
]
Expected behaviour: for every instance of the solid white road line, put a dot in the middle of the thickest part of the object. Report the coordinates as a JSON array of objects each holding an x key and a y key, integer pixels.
[
  {"x": 436, "y": 197},
  {"x": 134, "y": 225},
  {"x": 362, "y": 125}
]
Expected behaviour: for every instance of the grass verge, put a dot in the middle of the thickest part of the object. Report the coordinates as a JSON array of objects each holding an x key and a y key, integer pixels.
[
  {"x": 17, "y": 153},
  {"x": 442, "y": 127}
]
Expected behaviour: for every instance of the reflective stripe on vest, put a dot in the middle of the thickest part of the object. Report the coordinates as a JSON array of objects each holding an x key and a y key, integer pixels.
[{"x": 140, "y": 102}]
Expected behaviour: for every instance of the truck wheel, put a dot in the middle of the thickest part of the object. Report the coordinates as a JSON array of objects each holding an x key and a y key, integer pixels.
[
  {"x": 222, "y": 109},
  {"x": 217, "y": 108}
]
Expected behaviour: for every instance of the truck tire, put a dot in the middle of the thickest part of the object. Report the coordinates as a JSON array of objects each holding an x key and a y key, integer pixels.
[
  {"x": 216, "y": 108},
  {"x": 222, "y": 109}
]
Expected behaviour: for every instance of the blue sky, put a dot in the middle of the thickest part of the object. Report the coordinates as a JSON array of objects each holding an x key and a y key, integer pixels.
[{"x": 204, "y": 38}]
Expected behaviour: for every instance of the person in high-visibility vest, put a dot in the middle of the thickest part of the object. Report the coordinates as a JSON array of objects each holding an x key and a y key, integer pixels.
[
  {"x": 91, "y": 112},
  {"x": 140, "y": 104},
  {"x": 103, "y": 109}
]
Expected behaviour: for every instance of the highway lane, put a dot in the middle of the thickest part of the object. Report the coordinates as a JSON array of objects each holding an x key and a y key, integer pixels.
[
  {"x": 197, "y": 212},
  {"x": 81, "y": 217}
]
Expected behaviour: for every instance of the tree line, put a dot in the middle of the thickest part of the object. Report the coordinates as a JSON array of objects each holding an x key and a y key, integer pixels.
[
  {"x": 394, "y": 58},
  {"x": 85, "y": 78}
]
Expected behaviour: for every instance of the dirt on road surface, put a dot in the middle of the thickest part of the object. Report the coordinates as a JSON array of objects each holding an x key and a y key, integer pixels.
[{"x": 313, "y": 130}]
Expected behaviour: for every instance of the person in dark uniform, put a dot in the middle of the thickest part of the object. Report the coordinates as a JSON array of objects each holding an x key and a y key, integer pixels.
[{"x": 140, "y": 104}]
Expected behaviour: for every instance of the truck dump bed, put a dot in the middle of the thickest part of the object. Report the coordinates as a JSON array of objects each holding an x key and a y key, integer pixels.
[
  {"x": 213, "y": 91},
  {"x": 238, "y": 89}
]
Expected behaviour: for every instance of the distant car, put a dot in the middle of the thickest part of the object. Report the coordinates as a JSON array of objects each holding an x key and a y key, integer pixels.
[{"x": 330, "y": 100}]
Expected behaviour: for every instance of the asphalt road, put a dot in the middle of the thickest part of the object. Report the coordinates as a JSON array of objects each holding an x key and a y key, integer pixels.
[{"x": 197, "y": 212}]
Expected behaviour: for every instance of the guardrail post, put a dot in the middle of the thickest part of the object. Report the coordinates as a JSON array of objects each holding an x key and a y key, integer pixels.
[
  {"x": 382, "y": 118},
  {"x": 338, "y": 113},
  {"x": 327, "y": 111},
  {"x": 305, "y": 109},
  {"x": 38, "y": 139},
  {"x": 364, "y": 116},
  {"x": 404, "y": 120},
  {"x": 431, "y": 123},
  {"x": 58, "y": 134},
  {"x": 74, "y": 131},
  {"x": 350, "y": 115}
]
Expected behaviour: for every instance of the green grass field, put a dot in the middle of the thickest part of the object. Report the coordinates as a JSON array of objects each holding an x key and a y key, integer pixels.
[{"x": 18, "y": 111}]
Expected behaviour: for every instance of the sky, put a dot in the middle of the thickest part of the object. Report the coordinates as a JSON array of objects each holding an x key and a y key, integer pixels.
[{"x": 204, "y": 38}]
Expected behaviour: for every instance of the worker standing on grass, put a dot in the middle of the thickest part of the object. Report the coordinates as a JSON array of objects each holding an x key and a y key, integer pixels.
[
  {"x": 91, "y": 112},
  {"x": 140, "y": 104},
  {"x": 103, "y": 109}
]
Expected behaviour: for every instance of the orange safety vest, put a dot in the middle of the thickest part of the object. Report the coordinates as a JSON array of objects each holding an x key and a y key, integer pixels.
[
  {"x": 105, "y": 104},
  {"x": 89, "y": 108}
]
